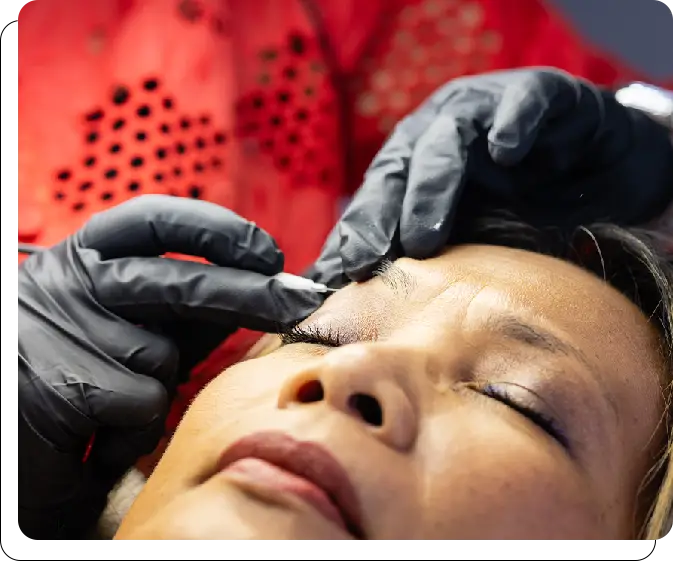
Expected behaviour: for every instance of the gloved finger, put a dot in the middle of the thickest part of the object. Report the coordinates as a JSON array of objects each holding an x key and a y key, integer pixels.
[
  {"x": 152, "y": 225},
  {"x": 328, "y": 269},
  {"x": 367, "y": 230},
  {"x": 436, "y": 181},
  {"x": 147, "y": 353},
  {"x": 124, "y": 400},
  {"x": 90, "y": 330},
  {"x": 367, "y": 227},
  {"x": 138, "y": 349},
  {"x": 195, "y": 341},
  {"x": 526, "y": 106},
  {"x": 569, "y": 143},
  {"x": 155, "y": 289},
  {"x": 108, "y": 398},
  {"x": 115, "y": 450},
  {"x": 120, "y": 342}
]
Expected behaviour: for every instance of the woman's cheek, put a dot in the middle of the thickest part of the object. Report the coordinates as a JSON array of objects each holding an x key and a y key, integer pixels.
[
  {"x": 232, "y": 404},
  {"x": 245, "y": 387}
]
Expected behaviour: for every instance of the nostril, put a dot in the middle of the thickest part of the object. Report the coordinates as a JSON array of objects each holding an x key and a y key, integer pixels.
[
  {"x": 310, "y": 392},
  {"x": 367, "y": 407}
]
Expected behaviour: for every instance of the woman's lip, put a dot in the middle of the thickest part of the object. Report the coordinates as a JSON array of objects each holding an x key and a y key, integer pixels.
[
  {"x": 305, "y": 461},
  {"x": 261, "y": 472}
]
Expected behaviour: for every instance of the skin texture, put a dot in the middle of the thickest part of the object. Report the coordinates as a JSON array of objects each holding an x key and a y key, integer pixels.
[{"x": 449, "y": 460}]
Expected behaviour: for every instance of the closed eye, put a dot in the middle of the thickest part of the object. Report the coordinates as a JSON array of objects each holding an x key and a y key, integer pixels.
[
  {"x": 311, "y": 335},
  {"x": 545, "y": 422},
  {"x": 326, "y": 337}
]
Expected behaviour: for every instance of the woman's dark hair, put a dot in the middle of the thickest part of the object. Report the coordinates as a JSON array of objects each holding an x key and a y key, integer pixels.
[{"x": 636, "y": 262}]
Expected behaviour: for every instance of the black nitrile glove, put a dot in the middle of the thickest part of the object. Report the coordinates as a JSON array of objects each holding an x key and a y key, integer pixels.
[
  {"x": 551, "y": 148},
  {"x": 107, "y": 328}
]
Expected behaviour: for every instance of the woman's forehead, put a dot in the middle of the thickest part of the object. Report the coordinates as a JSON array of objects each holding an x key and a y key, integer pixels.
[{"x": 478, "y": 275}]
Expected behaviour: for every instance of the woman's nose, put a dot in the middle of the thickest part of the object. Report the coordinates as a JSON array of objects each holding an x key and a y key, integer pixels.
[{"x": 366, "y": 381}]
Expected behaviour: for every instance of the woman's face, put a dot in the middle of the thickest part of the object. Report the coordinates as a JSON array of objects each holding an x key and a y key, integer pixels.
[{"x": 486, "y": 393}]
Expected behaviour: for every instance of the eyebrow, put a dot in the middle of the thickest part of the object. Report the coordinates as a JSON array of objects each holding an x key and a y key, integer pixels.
[
  {"x": 516, "y": 329},
  {"x": 396, "y": 278},
  {"x": 510, "y": 326}
]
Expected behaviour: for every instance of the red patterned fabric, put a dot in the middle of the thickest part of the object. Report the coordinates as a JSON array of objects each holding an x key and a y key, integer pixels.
[{"x": 272, "y": 108}]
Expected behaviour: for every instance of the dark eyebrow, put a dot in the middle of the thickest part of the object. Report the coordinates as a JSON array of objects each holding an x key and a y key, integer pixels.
[
  {"x": 396, "y": 278},
  {"x": 510, "y": 326},
  {"x": 517, "y": 329}
]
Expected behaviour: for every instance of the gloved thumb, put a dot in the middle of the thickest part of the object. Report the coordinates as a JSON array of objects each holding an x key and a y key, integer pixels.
[
  {"x": 328, "y": 269},
  {"x": 525, "y": 109}
]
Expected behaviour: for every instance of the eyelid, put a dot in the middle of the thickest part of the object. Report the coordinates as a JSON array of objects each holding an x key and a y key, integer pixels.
[{"x": 547, "y": 420}]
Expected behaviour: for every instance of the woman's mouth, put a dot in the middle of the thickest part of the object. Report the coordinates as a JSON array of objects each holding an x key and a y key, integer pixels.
[
  {"x": 277, "y": 462},
  {"x": 269, "y": 475}
]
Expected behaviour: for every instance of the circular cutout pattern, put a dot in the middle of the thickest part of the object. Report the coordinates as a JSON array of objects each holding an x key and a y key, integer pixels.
[
  {"x": 144, "y": 111},
  {"x": 95, "y": 116},
  {"x": 113, "y": 129},
  {"x": 294, "y": 112},
  {"x": 120, "y": 95}
]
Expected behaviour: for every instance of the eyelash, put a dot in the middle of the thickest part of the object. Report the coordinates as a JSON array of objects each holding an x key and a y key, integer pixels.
[
  {"x": 311, "y": 335},
  {"x": 546, "y": 423},
  {"x": 326, "y": 337}
]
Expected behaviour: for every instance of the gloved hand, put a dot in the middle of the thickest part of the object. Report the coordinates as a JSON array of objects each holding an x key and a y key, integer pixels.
[
  {"x": 549, "y": 147},
  {"x": 107, "y": 328}
]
